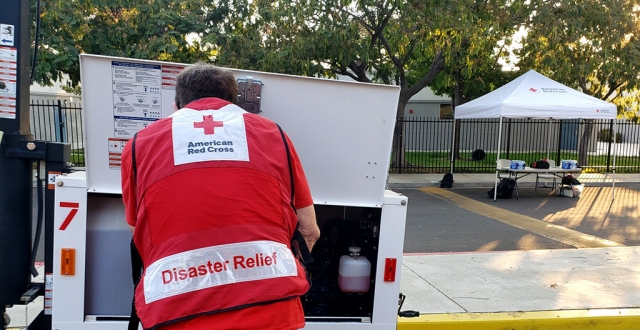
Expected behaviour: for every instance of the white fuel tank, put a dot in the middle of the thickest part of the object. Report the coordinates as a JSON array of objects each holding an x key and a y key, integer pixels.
[{"x": 354, "y": 272}]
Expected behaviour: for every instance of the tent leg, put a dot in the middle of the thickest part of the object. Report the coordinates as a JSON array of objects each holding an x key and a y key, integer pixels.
[
  {"x": 453, "y": 142},
  {"x": 548, "y": 138},
  {"x": 615, "y": 152},
  {"x": 495, "y": 183}
]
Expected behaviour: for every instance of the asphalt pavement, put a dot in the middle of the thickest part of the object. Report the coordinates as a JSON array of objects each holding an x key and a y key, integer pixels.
[
  {"x": 435, "y": 224},
  {"x": 464, "y": 218}
]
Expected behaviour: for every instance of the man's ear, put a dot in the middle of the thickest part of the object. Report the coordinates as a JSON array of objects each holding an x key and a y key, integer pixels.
[{"x": 175, "y": 106}]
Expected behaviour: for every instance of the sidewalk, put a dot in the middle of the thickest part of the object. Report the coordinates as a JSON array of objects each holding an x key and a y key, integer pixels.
[
  {"x": 22, "y": 315},
  {"x": 487, "y": 180},
  {"x": 540, "y": 289},
  {"x": 588, "y": 288}
]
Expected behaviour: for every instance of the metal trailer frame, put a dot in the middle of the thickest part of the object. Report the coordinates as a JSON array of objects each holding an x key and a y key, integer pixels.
[
  {"x": 343, "y": 134},
  {"x": 69, "y": 296}
]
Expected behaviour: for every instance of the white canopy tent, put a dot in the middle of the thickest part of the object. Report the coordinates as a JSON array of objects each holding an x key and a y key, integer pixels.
[{"x": 533, "y": 95}]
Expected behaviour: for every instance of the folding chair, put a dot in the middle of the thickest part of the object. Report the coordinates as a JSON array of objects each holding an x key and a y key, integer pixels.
[
  {"x": 546, "y": 176},
  {"x": 502, "y": 165}
]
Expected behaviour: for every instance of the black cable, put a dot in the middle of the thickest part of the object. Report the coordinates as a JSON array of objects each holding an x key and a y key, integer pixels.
[
  {"x": 409, "y": 314},
  {"x": 36, "y": 240},
  {"x": 406, "y": 313},
  {"x": 35, "y": 48},
  {"x": 402, "y": 298}
]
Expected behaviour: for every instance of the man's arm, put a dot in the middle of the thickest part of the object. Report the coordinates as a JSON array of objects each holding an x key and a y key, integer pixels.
[
  {"x": 303, "y": 201},
  {"x": 308, "y": 226}
]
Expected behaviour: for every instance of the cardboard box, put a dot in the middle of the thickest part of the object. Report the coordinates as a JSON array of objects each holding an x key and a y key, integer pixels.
[{"x": 567, "y": 191}]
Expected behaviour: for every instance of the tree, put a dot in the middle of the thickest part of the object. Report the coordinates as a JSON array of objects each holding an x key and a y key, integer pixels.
[
  {"x": 148, "y": 29},
  {"x": 474, "y": 67},
  {"x": 591, "y": 45},
  {"x": 405, "y": 43}
]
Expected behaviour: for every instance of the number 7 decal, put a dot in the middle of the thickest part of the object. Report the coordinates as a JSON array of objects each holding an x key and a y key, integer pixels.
[{"x": 74, "y": 209}]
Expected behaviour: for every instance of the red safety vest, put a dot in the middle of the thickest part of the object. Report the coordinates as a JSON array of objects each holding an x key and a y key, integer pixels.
[{"x": 225, "y": 244}]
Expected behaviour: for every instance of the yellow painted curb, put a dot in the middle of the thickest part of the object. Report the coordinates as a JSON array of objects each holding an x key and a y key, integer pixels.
[
  {"x": 554, "y": 232},
  {"x": 605, "y": 319}
]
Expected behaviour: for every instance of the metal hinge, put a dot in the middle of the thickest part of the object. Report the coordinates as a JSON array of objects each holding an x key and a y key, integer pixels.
[{"x": 249, "y": 94}]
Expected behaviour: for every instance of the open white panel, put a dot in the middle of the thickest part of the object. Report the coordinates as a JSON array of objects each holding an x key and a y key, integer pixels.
[{"x": 341, "y": 130}]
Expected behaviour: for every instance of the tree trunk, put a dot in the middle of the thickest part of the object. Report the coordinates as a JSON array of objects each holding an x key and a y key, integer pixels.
[
  {"x": 456, "y": 139},
  {"x": 455, "y": 101},
  {"x": 585, "y": 142},
  {"x": 397, "y": 150}
]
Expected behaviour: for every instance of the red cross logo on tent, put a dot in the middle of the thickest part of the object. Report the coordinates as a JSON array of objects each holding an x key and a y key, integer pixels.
[
  {"x": 208, "y": 124},
  {"x": 533, "y": 89}
]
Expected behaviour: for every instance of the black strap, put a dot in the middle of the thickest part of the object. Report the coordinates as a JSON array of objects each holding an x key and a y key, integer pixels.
[
  {"x": 286, "y": 147},
  {"x": 134, "y": 165},
  {"x": 298, "y": 243},
  {"x": 136, "y": 274},
  {"x": 136, "y": 260}
]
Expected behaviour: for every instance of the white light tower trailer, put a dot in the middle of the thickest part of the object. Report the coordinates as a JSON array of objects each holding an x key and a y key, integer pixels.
[{"x": 343, "y": 133}]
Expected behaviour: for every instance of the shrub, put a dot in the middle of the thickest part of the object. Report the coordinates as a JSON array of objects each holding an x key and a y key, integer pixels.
[{"x": 605, "y": 136}]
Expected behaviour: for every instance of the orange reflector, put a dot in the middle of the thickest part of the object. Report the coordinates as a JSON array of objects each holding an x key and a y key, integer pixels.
[{"x": 68, "y": 261}]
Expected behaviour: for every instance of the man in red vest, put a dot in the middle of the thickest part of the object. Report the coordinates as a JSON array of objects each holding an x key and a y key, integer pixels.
[{"x": 214, "y": 195}]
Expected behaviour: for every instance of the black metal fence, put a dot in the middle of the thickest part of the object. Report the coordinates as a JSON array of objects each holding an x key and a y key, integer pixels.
[
  {"x": 59, "y": 121},
  {"x": 428, "y": 141}
]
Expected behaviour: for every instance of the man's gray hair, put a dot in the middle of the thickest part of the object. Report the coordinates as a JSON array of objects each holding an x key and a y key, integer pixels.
[{"x": 205, "y": 80}]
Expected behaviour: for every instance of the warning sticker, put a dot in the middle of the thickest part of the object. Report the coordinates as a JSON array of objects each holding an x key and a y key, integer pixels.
[
  {"x": 51, "y": 179},
  {"x": 169, "y": 74},
  {"x": 48, "y": 293},
  {"x": 116, "y": 146},
  {"x": 8, "y": 81}
]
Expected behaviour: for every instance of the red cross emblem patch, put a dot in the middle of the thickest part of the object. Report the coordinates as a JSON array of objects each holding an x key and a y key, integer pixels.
[{"x": 208, "y": 124}]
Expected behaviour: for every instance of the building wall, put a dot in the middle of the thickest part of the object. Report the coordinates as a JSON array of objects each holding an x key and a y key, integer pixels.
[
  {"x": 52, "y": 93},
  {"x": 425, "y": 104}
]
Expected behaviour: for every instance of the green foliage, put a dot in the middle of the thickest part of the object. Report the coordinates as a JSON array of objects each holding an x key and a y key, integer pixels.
[
  {"x": 390, "y": 42},
  {"x": 605, "y": 136},
  {"x": 76, "y": 90},
  {"x": 474, "y": 61},
  {"x": 591, "y": 45},
  {"x": 148, "y": 29}
]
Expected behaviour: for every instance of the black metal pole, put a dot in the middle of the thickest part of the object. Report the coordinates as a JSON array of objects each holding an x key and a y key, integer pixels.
[
  {"x": 508, "y": 146},
  {"x": 15, "y": 223},
  {"x": 612, "y": 140},
  {"x": 60, "y": 128},
  {"x": 16, "y": 174},
  {"x": 560, "y": 122}
]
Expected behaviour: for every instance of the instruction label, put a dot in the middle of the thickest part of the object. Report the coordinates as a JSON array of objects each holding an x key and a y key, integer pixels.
[
  {"x": 8, "y": 81},
  {"x": 137, "y": 99}
]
